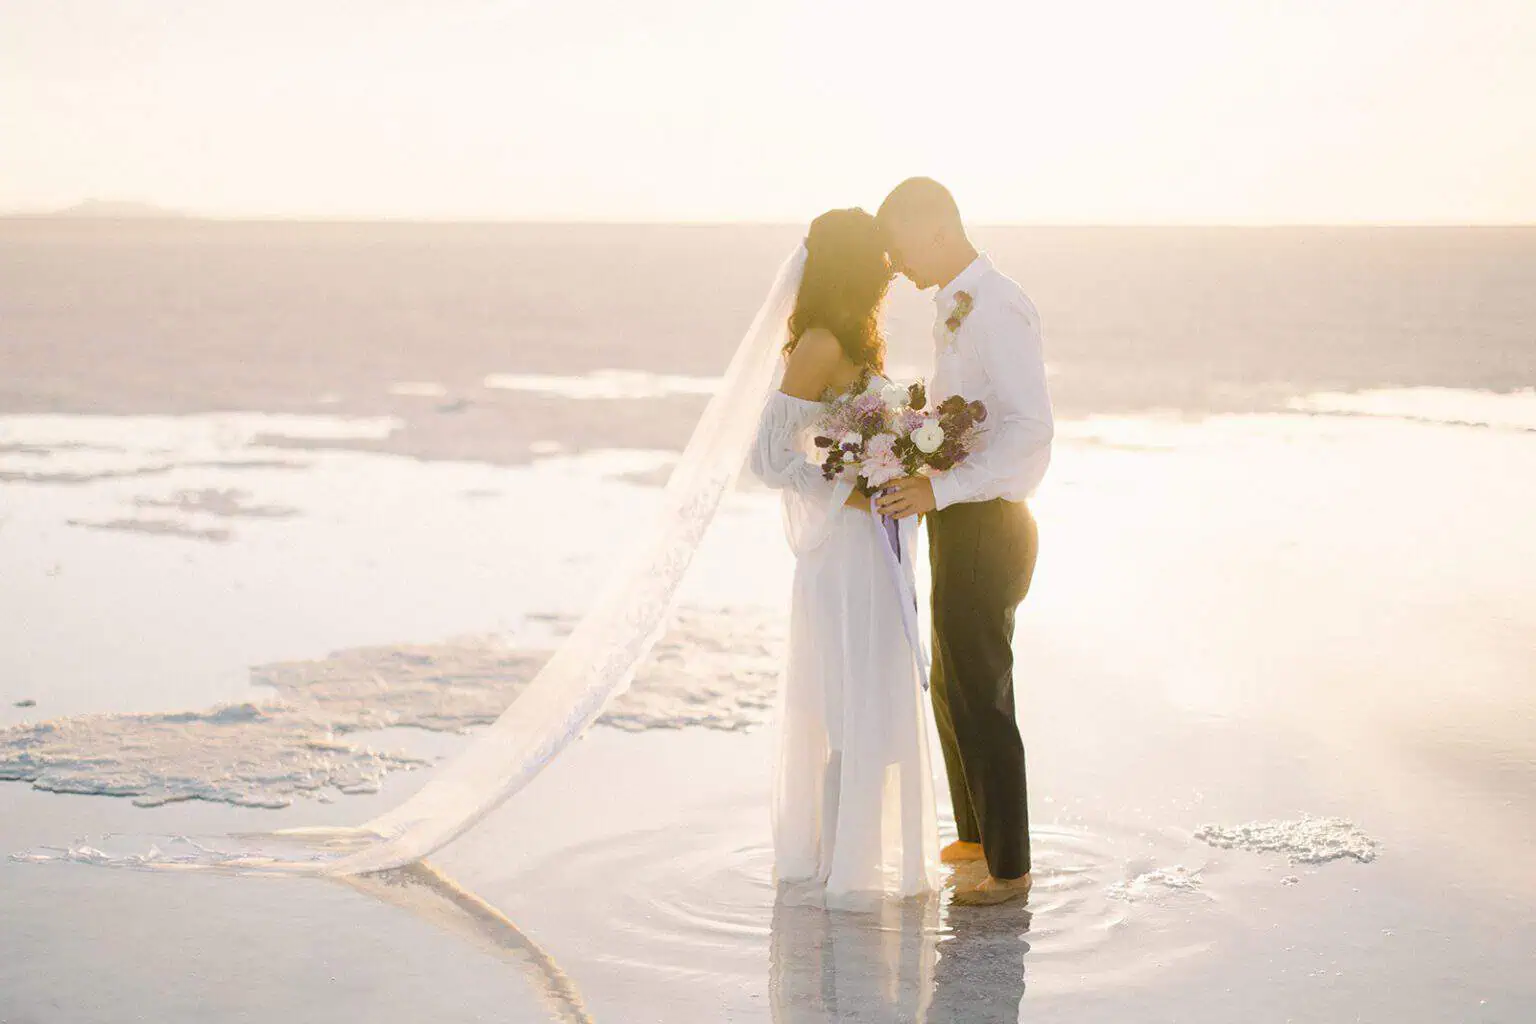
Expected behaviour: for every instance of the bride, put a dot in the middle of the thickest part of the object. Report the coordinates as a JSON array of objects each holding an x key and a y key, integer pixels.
[{"x": 853, "y": 802}]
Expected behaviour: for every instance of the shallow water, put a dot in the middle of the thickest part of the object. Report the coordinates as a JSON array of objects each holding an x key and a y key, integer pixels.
[
  {"x": 1513, "y": 410},
  {"x": 1236, "y": 622},
  {"x": 605, "y": 384}
]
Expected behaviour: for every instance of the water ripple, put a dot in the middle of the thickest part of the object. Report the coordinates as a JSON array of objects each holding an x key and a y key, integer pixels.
[{"x": 1103, "y": 907}]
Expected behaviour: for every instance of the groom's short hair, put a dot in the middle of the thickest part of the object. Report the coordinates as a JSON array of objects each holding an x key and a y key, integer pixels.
[{"x": 920, "y": 198}]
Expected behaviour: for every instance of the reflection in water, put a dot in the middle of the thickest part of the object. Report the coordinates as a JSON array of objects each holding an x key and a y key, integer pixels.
[
  {"x": 907, "y": 962},
  {"x": 980, "y": 975},
  {"x": 429, "y": 894},
  {"x": 897, "y": 964},
  {"x": 832, "y": 966}
]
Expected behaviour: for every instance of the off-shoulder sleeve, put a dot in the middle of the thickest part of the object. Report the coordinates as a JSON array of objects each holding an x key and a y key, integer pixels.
[{"x": 780, "y": 459}]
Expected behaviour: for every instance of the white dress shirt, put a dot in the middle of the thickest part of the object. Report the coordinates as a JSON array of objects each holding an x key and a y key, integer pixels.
[{"x": 996, "y": 358}]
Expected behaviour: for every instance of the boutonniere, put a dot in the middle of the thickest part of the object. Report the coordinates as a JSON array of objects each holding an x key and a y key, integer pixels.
[
  {"x": 957, "y": 315},
  {"x": 963, "y": 303}
]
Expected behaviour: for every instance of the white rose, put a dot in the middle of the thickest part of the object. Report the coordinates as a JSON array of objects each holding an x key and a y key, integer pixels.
[
  {"x": 928, "y": 437},
  {"x": 894, "y": 396},
  {"x": 852, "y": 439}
]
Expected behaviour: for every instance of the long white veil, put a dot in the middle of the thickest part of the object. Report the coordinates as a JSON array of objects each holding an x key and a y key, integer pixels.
[{"x": 595, "y": 663}]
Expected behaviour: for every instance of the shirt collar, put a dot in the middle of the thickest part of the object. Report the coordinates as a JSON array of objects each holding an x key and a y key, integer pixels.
[{"x": 964, "y": 280}]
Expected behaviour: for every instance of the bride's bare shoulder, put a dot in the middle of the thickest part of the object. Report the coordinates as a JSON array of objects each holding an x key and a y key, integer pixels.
[{"x": 815, "y": 364}]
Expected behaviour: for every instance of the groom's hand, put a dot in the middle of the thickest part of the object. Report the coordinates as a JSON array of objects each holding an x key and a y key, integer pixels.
[{"x": 909, "y": 496}]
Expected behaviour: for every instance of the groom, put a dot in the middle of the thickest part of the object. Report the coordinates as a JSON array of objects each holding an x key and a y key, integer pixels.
[{"x": 982, "y": 539}]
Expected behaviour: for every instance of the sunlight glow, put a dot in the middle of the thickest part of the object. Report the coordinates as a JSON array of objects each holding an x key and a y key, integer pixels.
[{"x": 1104, "y": 112}]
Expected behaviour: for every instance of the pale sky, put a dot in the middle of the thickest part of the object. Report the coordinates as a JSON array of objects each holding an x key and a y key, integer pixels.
[{"x": 1073, "y": 111}]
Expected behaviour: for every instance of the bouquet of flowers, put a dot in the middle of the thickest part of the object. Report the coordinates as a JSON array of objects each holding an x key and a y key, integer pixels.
[{"x": 888, "y": 433}]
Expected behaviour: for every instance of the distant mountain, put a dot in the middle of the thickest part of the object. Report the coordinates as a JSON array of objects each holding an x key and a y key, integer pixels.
[{"x": 111, "y": 209}]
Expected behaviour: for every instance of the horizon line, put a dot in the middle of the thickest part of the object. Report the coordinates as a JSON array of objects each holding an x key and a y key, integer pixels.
[{"x": 164, "y": 215}]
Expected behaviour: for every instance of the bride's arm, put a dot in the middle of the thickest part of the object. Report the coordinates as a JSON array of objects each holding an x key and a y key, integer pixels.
[
  {"x": 776, "y": 458},
  {"x": 779, "y": 456},
  {"x": 813, "y": 367}
]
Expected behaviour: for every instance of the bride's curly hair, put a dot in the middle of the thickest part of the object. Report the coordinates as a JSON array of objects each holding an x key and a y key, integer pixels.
[{"x": 843, "y": 289}]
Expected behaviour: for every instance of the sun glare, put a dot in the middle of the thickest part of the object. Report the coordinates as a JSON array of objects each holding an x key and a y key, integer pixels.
[{"x": 1104, "y": 112}]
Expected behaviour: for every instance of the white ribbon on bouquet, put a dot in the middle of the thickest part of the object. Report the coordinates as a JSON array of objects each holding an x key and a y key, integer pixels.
[{"x": 896, "y": 556}]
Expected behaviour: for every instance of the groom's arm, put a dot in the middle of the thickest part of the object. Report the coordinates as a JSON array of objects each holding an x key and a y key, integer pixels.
[{"x": 1019, "y": 421}]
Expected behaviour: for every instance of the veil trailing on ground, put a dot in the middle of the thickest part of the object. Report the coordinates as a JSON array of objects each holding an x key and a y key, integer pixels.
[{"x": 596, "y": 662}]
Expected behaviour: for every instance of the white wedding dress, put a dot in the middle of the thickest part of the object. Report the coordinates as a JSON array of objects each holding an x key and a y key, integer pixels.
[{"x": 853, "y": 814}]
